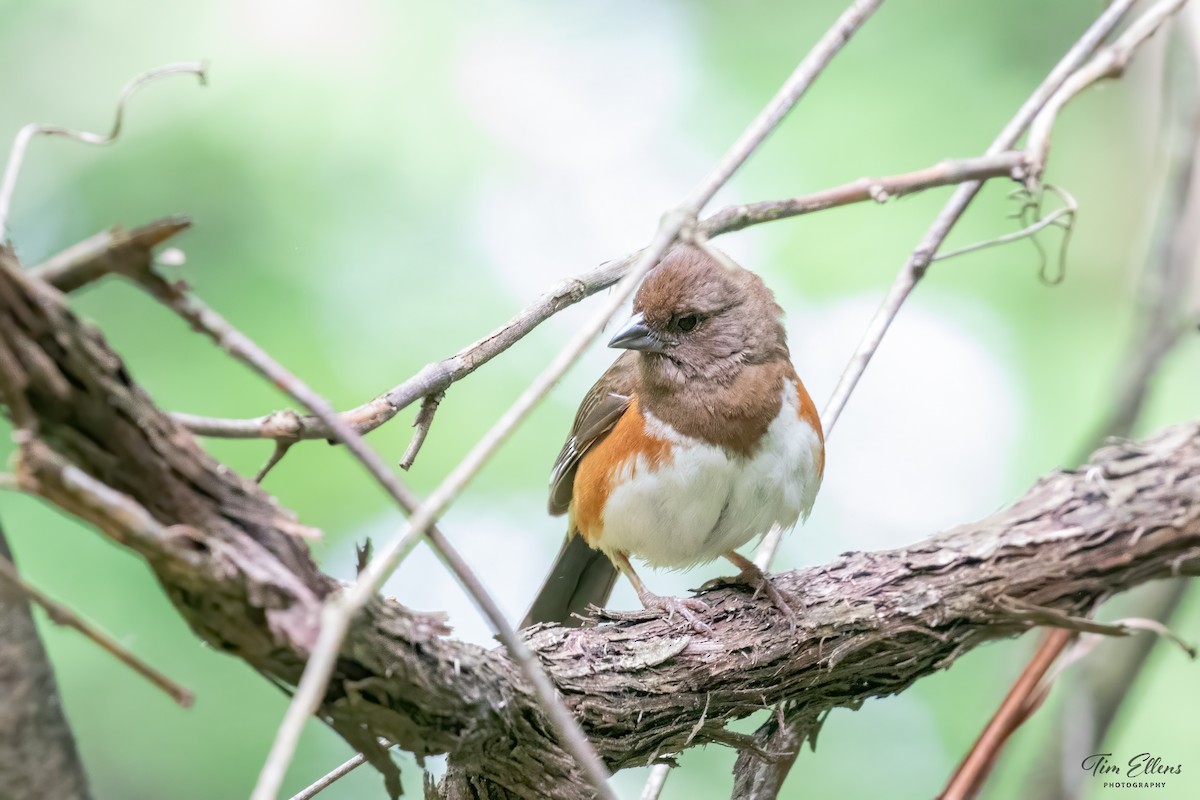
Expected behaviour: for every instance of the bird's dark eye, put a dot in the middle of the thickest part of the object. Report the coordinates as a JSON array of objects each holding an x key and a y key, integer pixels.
[{"x": 687, "y": 323}]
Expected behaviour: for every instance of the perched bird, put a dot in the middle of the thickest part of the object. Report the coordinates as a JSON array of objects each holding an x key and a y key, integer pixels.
[{"x": 694, "y": 442}]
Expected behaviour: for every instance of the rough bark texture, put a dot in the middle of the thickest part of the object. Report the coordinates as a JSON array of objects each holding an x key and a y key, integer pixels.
[
  {"x": 38, "y": 759},
  {"x": 641, "y": 686}
]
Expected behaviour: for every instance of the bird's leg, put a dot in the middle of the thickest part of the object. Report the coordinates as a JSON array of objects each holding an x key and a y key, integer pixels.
[
  {"x": 684, "y": 606},
  {"x": 752, "y": 576}
]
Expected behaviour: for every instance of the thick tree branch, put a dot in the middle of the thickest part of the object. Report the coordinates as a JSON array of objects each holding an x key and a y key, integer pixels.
[{"x": 640, "y": 686}]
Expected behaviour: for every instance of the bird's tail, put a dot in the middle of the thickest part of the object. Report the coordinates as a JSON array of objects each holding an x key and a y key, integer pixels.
[{"x": 580, "y": 577}]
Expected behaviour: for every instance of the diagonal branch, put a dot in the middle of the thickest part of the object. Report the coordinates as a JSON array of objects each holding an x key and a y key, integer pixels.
[
  {"x": 61, "y": 615},
  {"x": 1109, "y": 62}
]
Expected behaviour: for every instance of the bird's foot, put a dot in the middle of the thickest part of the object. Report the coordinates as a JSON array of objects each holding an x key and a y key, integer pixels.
[
  {"x": 761, "y": 583},
  {"x": 686, "y": 607}
]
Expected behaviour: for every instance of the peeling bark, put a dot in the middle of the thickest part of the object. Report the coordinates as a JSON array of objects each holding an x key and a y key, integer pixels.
[{"x": 642, "y": 687}]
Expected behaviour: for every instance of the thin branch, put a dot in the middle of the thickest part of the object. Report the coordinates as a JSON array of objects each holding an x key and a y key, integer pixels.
[
  {"x": 115, "y": 251},
  {"x": 1160, "y": 631},
  {"x": 917, "y": 264},
  {"x": 1063, "y": 217},
  {"x": 335, "y": 775},
  {"x": 656, "y": 781},
  {"x": 61, "y": 615},
  {"x": 277, "y": 453},
  {"x": 969, "y": 776},
  {"x": 16, "y": 156},
  {"x": 763, "y": 125},
  {"x": 1109, "y": 62},
  {"x": 1009, "y": 164},
  {"x": 341, "y": 609},
  {"x": 424, "y": 419}
]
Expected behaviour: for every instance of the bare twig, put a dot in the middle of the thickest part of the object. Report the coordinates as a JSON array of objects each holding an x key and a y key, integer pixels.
[
  {"x": 61, "y": 615},
  {"x": 421, "y": 423},
  {"x": 108, "y": 252},
  {"x": 1063, "y": 217},
  {"x": 1109, "y": 62},
  {"x": 1160, "y": 631},
  {"x": 1016, "y": 707},
  {"x": 16, "y": 155},
  {"x": 341, "y": 608},
  {"x": 1009, "y": 164},
  {"x": 277, "y": 453},
  {"x": 334, "y": 775},
  {"x": 656, "y": 781},
  {"x": 806, "y": 72}
]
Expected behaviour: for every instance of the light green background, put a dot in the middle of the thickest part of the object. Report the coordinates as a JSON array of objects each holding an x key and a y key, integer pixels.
[{"x": 376, "y": 185}]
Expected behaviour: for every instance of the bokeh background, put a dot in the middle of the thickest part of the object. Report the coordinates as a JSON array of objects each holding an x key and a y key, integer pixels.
[{"x": 375, "y": 185}]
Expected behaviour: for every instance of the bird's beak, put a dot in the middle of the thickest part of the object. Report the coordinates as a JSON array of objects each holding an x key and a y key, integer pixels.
[{"x": 636, "y": 335}]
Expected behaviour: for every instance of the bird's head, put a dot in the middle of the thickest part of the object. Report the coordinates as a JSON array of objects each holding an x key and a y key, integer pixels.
[{"x": 695, "y": 318}]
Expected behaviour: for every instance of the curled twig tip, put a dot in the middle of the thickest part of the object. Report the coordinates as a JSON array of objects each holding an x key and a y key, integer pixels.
[{"x": 16, "y": 155}]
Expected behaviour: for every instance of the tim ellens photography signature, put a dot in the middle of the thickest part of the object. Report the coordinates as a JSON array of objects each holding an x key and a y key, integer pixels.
[{"x": 1145, "y": 770}]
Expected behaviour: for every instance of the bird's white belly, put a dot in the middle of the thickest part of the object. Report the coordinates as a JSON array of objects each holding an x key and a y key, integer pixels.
[{"x": 702, "y": 502}]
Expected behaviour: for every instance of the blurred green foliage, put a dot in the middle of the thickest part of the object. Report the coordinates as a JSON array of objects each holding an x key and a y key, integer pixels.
[{"x": 376, "y": 185}]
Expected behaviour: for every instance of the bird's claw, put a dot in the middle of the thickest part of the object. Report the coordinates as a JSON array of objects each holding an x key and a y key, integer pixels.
[
  {"x": 686, "y": 607},
  {"x": 762, "y": 584}
]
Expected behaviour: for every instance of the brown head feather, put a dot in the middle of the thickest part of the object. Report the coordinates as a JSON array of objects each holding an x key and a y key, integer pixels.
[{"x": 720, "y": 375}]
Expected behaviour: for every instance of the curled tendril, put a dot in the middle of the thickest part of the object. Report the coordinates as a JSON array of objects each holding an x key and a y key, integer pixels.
[
  {"x": 16, "y": 155},
  {"x": 1029, "y": 214}
]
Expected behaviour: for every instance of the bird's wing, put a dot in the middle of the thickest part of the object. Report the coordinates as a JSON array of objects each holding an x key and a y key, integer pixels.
[{"x": 597, "y": 415}]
